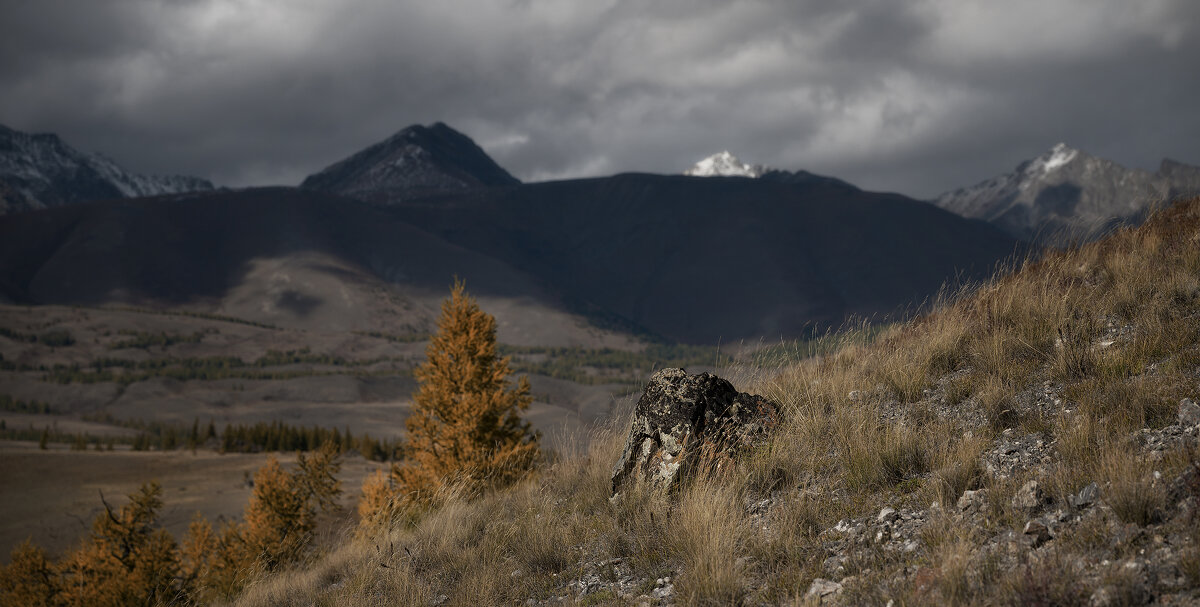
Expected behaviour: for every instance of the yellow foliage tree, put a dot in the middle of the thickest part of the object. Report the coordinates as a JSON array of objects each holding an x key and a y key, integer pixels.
[
  {"x": 282, "y": 512},
  {"x": 466, "y": 421},
  {"x": 30, "y": 578},
  {"x": 128, "y": 560}
]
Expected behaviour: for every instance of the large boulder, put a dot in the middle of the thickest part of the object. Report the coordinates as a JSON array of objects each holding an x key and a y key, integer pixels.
[{"x": 683, "y": 422}]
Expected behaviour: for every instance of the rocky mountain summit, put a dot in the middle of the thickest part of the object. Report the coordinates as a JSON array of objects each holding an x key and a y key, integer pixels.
[
  {"x": 1066, "y": 194},
  {"x": 417, "y": 161},
  {"x": 40, "y": 170}
]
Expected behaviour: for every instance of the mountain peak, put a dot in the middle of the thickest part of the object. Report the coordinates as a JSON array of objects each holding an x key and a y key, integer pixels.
[
  {"x": 417, "y": 160},
  {"x": 724, "y": 164}
]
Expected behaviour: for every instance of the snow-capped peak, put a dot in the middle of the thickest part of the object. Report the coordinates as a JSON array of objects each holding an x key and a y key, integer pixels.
[
  {"x": 724, "y": 164},
  {"x": 1059, "y": 155}
]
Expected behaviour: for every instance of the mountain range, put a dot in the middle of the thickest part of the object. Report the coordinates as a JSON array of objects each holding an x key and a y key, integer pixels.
[
  {"x": 1067, "y": 195},
  {"x": 39, "y": 171},
  {"x": 373, "y": 242}
]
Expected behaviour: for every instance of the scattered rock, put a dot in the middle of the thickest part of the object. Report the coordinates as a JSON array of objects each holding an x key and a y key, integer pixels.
[
  {"x": 1037, "y": 532},
  {"x": 1014, "y": 455},
  {"x": 1189, "y": 413},
  {"x": 682, "y": 420},
  {"x": 1086, "y": 497},
  {"x": 973, "y": 501},
  {"x": 1029, "y": 498},
  {"x": 822, "y": 588},
  {"x": 887, "y": 515},
  {"x": 663, "y": 589}
]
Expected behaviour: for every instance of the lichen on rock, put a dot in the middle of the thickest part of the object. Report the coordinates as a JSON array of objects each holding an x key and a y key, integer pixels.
[{"x": 682, "y": 421}]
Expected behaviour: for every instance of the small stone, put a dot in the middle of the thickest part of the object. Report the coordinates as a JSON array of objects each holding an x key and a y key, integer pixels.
[
  {"x": 973, "y": 500},
  {"x": 1029, "y": 498},
  {"x": 884, "y": 534},
  {"x": 1037, "y": 531},
  {"x": 822, "y": 588},
  {"x": 887, "y": 515},
  {"x": 664, "y": 591},
  {"x": 1189, "y": 412}
]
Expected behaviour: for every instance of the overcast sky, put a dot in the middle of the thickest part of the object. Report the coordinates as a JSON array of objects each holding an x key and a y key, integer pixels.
[{"x": 916, "y": 97}]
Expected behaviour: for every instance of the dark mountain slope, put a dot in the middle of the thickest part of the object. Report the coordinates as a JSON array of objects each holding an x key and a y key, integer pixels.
[
  {"x": 416, "y": 161},
  {"x": 278, "y": 255},
  {"x": 708, "y": 259}
]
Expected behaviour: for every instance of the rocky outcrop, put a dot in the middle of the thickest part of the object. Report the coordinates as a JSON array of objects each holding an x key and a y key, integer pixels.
[{"x": 683, "y": 421}]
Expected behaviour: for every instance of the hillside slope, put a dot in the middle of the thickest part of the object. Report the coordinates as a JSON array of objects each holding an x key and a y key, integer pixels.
[{"x": 1031, "y": 443}]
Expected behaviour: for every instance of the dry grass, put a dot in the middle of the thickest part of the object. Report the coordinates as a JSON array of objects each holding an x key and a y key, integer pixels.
[
  {"x": 706, "y": 535},
  {"x": 1114, "y": 323}
]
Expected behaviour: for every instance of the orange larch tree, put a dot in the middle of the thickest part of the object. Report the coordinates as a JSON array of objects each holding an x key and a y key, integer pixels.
[{"x": 466, "y": 421}]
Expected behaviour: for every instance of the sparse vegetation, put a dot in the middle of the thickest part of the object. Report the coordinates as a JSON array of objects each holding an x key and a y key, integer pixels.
[
  {"x": 266, "y": 367},
  {"x": 146, "y": 340},
  {"x": 54, "y": 338},
  {"x": 233, "y": 438},
  {"x": 201, "y": 315},
  {"x": 8, "y": 403},
  {"x": 408, "y": 338},
  {"x": 608, "y": 365},
  {"x": 1064, "y": 372}
]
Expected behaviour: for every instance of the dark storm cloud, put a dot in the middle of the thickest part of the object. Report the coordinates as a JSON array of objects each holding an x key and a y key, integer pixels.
[{"x": 915, "y": 97}]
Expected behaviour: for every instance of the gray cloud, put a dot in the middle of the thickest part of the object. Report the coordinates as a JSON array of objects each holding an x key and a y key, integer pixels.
[{"x": 916, "y": 97}]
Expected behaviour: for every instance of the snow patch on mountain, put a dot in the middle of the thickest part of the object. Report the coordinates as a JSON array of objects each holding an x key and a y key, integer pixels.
[
  {"x": 1060, "y": 155},
  {"x": 724, "y": 164}
]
